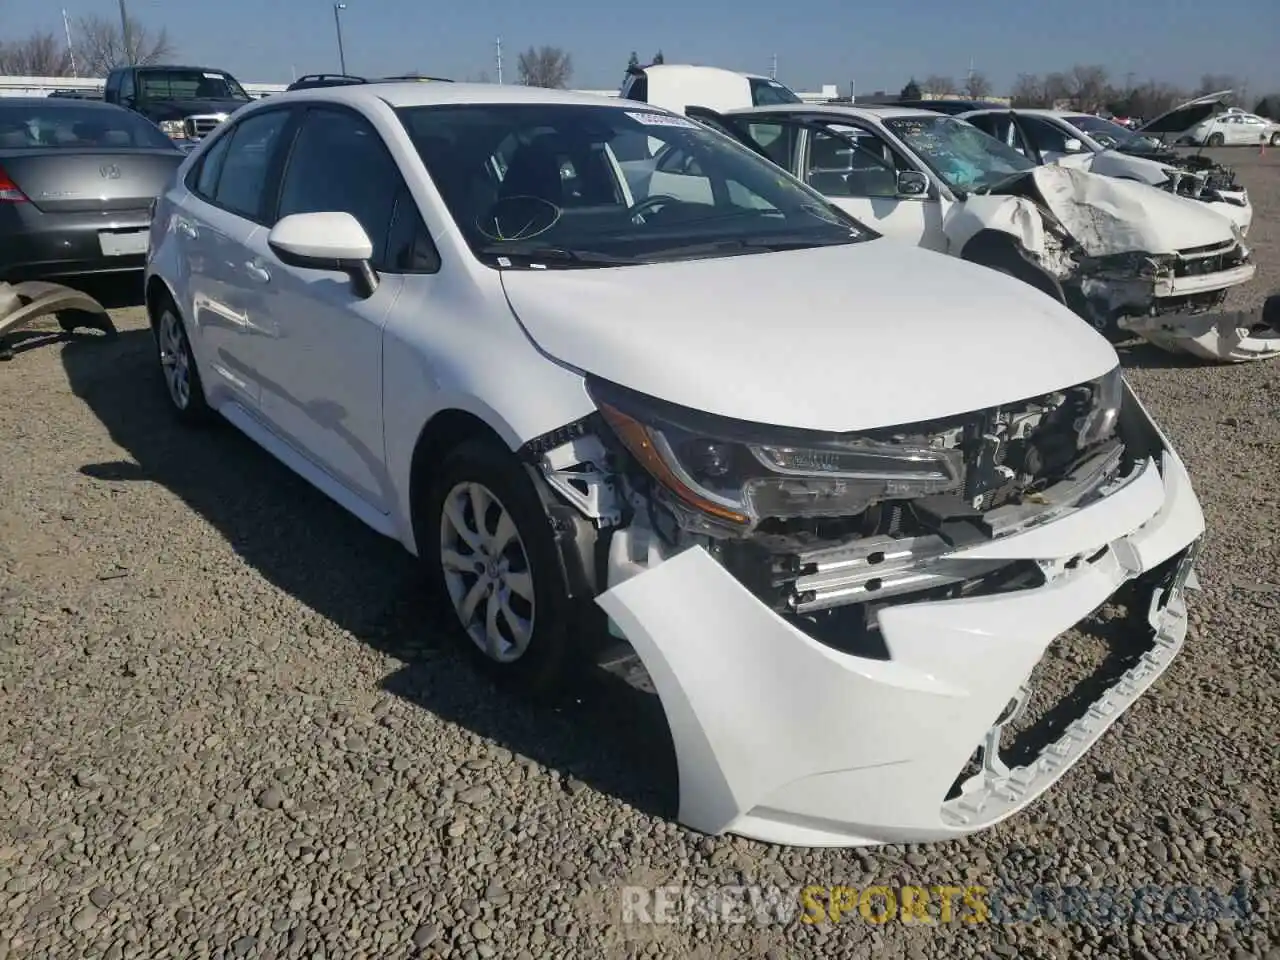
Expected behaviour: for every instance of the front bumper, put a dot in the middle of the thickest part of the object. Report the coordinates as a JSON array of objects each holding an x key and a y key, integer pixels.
[
  {"x": 1204, "y": 283},
  {"x": 1235, "y": 336},
  {"x": 783, "y": 739}
]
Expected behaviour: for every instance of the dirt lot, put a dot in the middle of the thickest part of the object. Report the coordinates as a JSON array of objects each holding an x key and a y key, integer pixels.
[{"x": 230, "y": 727}]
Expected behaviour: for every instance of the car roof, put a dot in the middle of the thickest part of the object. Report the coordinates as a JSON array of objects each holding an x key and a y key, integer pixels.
[
  {"x": 690, "y": 67},
  {"x": 414, "y": 93},
  {"x": 869, "y": 112},
  {"x": 60, "y": 103},
  {"x": 148, "y": 67}
]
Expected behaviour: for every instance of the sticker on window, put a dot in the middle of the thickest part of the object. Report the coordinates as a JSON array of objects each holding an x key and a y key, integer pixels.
[{"x": 660, "y": 120}]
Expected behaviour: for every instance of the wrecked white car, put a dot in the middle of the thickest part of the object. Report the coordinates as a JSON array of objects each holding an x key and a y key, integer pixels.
[
  {"x": 1101, "y": 146},
  {"x": 1127, "y": 257},
  {"x": 568, "y": 383}
]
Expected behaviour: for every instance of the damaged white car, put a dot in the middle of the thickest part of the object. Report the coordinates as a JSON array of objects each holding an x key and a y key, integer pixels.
[
  {"x": 473, "y": 317},
  {"x": 1127, "y": 257},
  {"x": 1074, "y": 139}
]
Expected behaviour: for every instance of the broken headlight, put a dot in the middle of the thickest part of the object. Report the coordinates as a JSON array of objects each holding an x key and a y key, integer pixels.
[
  {"x": 741, "y": 473},
  {"x": 1100, "y": 422}
]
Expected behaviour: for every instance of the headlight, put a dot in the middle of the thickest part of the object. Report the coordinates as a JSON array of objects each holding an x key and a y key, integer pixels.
[
  {"x": 174, "y": 129},
  {"x": 741, "y": 473},
  {"x": 1100, "y": 422}
]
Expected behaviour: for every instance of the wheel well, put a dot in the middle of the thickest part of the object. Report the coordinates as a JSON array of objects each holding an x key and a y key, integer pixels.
[
  {"x": 444, "y": 432},
  {"x": 992, "y": 248},
  {"x": 157, "y": 294}
]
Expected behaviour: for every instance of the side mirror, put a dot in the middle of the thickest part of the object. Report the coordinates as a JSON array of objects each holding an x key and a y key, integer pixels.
[
  {"x": 326, "y": 241},
  {"x": 912, "y": 183},
  {"x": 1073, "y": 145}
]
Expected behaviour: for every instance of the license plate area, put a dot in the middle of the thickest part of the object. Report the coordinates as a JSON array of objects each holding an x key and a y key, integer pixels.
[{"x": 123, "y": 243}]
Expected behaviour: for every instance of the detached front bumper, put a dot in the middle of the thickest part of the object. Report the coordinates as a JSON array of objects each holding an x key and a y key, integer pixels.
[
  {"x": 783, "y": 739},
  {"x": 1225, "y": 337}
]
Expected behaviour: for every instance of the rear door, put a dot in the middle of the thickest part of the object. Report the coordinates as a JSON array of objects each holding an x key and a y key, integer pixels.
[{"x": 230, "y": 189}]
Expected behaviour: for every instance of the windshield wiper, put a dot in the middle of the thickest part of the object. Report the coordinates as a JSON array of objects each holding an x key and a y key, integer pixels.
[
  {"x": 730, "y": 246},
  {"x": 988, "y": 187},
  {"x": 564, "y": 255}
]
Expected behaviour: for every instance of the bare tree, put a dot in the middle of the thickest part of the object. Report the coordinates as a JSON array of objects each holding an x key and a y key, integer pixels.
[
  {"x": 1028, "y": 91},
  {"x": 937, "y": 86},
  {"x": 545, "y": 67},
  {"x": 40, "y": 55},
  {"x": 102, "y": 45},
  {"x": 1089, "y": 88},
  {"x": 1057, "y": 87},
  {"x": 977, "y": 86}
]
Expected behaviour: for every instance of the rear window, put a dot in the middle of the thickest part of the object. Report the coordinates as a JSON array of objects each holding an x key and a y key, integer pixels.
[
  {"x": 62, "y": 124},
  {"x": 766, "y": 93}
]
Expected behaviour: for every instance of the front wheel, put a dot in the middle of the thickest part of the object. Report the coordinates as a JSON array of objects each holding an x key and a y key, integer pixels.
[
  {"x": 1275, "y": 139},
  {"x": 488, "y": 546},
  {"x": 1215, "y": 140}
]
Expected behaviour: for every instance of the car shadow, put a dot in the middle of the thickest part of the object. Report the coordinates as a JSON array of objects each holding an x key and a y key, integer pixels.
[{"x": 611, "y": 735}]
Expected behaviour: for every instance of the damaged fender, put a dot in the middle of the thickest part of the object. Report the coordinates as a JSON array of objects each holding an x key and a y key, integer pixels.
[
  {"x": 22, "y": 303},
  {"x": 1236, "y": 336}
]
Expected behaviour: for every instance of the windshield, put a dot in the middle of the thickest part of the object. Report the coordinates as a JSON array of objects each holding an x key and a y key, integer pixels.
[
  {"x": 569, "y": 185},
  {"x": 74, "y": 127},
  {"x": 189, "y": 85},
  {"x": 767, "y": 93},
  {"x": 962, "y": 155},
  {"x": 1108, "y": 133}
]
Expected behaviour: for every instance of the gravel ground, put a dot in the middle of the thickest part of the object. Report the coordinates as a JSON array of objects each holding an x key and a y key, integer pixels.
[{"x": 230, "y": 728}]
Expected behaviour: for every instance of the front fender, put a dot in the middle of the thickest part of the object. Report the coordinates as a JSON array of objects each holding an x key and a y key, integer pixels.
[{"x": 1015, "y": 216}]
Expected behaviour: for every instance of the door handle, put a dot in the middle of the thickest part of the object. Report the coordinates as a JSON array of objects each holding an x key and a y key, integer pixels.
[
  {"x": 186, "y": 229},
  {"x": 257, "y": 271}
]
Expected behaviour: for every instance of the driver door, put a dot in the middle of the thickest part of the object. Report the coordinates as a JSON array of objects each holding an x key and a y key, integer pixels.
[{"x": 858, "y": 172}]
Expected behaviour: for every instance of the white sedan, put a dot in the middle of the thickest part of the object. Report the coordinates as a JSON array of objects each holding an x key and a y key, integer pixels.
[
  {"x": 776, "y": 450},
  {"x": 1104, "y": 147}
]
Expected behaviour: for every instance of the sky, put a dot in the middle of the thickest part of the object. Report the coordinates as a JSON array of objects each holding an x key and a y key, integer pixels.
[{"x": 876, "y": 45}]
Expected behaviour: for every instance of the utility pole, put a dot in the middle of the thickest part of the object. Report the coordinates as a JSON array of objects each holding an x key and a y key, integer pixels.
[
  {"x": 499, "y": 59},
  {"x": 773, "y": 71},
  {"x": 71, "y": 50},
  {"x": 125, "y": 35}
]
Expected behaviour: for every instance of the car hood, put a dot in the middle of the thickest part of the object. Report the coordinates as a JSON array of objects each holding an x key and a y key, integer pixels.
[
  {"x": 1113, "y": 163},
  {"x": 841, "y": 338},
  {"x": 1187, "y": 115},
  {"x": 181, "y": 109},
  {"x": 1109, "y": 215}
]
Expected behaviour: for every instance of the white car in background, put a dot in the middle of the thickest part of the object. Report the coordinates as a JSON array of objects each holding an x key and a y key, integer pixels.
[
  {"x": 713, "y": 87},
  {"x": 771, "y": 446},
  {"x": 1127, "y": 257},
  {"x": 1104, "y": 147}
]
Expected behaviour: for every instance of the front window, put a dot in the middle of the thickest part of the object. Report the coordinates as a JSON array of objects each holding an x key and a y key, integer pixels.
[
  {"x": 766, "y": 93},
  {"x": 72, "y": 127},
  {"x": 566, "y": 185},
  {"x": 962, "y": 155},
  {"x": 190, "y": 85},
  {"x": 1108, "y": 133}
]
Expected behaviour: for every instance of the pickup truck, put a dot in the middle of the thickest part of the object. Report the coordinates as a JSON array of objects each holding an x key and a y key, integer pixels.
[{"x": 187, "y": 103}]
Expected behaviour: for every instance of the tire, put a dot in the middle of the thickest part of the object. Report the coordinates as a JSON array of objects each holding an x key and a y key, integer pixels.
[
  {"x": 1215, "y": 140},
  {"x": 178, "y": 371},
  {"x": 524, "y": 629},
  {"x": 1275, "y": 139}
]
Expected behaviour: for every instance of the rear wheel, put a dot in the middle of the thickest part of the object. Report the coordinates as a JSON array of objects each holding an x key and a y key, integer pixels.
[
  {"x": 1275, "y": 139},
  {"x": 178, "y": 368},
  {"x": 1215, "y": 140},
  {"x": 488, "y": 546}
]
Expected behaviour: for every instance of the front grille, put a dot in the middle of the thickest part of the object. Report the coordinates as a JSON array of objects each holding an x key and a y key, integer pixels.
[
  {"x": 1199, "y": 261},
  {"x": 199, "y": 127}
]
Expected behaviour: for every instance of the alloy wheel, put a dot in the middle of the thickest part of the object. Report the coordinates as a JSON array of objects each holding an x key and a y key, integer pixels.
[
  {"x": 486, "y": 572},
  {"x": 175, "y": 359}
]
